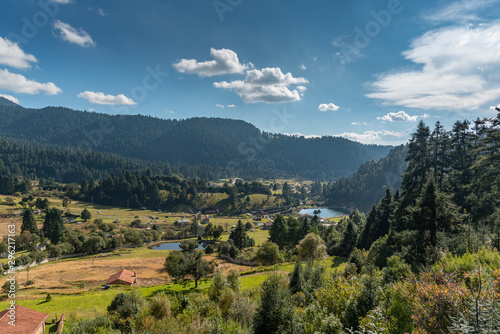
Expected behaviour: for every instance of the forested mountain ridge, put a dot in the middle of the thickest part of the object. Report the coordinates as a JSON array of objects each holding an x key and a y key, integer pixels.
[
  {"x": 368, "y": 185},
  {"x": 229, "y": 147}
]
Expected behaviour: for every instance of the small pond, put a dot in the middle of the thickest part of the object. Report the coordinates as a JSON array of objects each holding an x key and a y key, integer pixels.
[
  {"x": 325, "y": 213},
  {"x": 171, "y": 246}
]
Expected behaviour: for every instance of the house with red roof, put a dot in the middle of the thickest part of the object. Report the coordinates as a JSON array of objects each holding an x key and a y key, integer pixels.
[
  {"x": 123, "y": 277},
  {"x": 24, "y": 320}
]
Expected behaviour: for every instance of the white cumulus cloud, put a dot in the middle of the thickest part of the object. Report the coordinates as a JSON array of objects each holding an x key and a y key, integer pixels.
[
  {"x": 384, "y": 137},
  {"x": 62, "y": 2},
  {"x": 268, "y": 85},
  {"x": 10, "y": 98},
  {"x": 101, "y": 98},
  {"x": 73, "y": 35},
  {"x": 225, "y": 62},
  {"x": 399, "y": 116},
  {"x": 328, "y": 106},
  {"x": 460, "y": 70},
  {"x": 18, "y": 83},
  {"x": 12, "y": 55}
]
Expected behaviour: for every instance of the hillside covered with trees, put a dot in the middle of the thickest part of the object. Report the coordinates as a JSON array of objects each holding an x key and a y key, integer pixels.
[
  {"x": 214, "y": 147},
  {"x": 368, "y": 185}
]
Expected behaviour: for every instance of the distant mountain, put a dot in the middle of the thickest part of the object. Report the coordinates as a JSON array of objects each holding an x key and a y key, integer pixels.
[
  {"x": 219, "y": 147},
  {"x": 367, "y": 186},
  {"x": 7, "y": 103}
]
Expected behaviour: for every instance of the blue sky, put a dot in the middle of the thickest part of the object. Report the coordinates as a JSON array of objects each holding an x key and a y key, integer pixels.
[{"x": 365, "y": 70}]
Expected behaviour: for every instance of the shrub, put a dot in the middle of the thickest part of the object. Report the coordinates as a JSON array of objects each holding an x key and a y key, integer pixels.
[
  {"x": 397, "y": 269},
  {"x": 209, "y": 250},
  {"x": 160, "y": 306}
]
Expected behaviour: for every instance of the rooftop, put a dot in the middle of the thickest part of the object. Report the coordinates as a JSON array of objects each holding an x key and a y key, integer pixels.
[{"x": 27, "y": 321}]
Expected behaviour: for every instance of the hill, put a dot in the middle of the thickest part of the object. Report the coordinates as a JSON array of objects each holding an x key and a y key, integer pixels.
[
  {"x": 222, "y": 147},
  {"x": 367, "y": 186},
  {"x": 7, "y": 103}
]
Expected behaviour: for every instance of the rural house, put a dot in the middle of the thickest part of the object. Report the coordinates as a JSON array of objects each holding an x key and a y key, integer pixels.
[
  {"x": 124, "y": 277},
  {"x": 27, "y": 321}
]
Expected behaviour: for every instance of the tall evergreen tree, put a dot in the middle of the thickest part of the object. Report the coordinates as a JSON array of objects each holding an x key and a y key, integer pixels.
[
  {"x": 415, "y": 174},
  {"x": 462, "y": 158},
  {"x": 278, "y": 233},
  {"x": 349, "y": 239},
  {"x": 275, "y": 312},
  {"x": 240, "y": 237},
  {"x": 53, "y": 226},
  {"x": 439, "y": 150},
  {"x": 29, "y": 222}
]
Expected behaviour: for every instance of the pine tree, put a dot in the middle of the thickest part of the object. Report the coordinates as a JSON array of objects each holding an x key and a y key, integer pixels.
[
  {"x": 366, "y": 237},
  {"x": 297, "y": 278},
  {"x": 462, "y": 158},
  {"x": 275, "y": 312},
  {"x": 240, "y": 237},
  {"x": 439, "y": 153},
  {"x": 384, "y": 211},
  {"x": 53, "y": 226},
  {"x": 349, "y": 238},
  {"x": 414, "y": 176},
  {"x": 279, "y": 231},
  {"x": 29, "y": 222}
]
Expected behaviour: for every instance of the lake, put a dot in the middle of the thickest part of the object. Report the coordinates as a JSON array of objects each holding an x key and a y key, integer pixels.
[
  {"x": 325, "y": 213},
  {"x": 171, "y": 246}
]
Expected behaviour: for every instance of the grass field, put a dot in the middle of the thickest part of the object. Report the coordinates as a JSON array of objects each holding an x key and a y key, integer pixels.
[{"x": 93, "y": 301}]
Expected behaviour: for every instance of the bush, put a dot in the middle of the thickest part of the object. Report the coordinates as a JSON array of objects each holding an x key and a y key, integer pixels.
[
  {"x": 397, "y": 269},
  {"x": 160, "y": 306},
  {"x": 38, "y": 256},
  {"x": 54, "y": 251},
  {"x": 209, "y": 250},
  {"x": 48, "y": 298},
  {"x": 126, "y": 305}
]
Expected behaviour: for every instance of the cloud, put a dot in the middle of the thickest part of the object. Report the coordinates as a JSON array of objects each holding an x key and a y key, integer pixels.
[
  {"x": 325, "y": 107},
  {"x": 460, "y": 70},
  {"x": 495, "y": 107},
  {"x": 18, "y": 83},
  {"x": 101, "y": 98},
  {"x": 12, "y": 55},
  {"x": 225, "y": 62},
  {"x": 10, "y": 98},
  {"x": 298, "y": 134},
  {"x": 359, "y": 123},
  {"x": 399, "y": 116},
  {"x": 303, "y": 67},
  {"x": 99, "y": 11},
  {"x": 91, "y": 109},
  {"x": 170, "y": 111},
  {"x": 269, "y": 85},
  {"x": 223, "y": 106},
  {"x": 62, "y": 2},
  {"x": 464, "y": 10},
  {"x": 72, "y": 35},
  {"x": 385, "y": 137}
]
